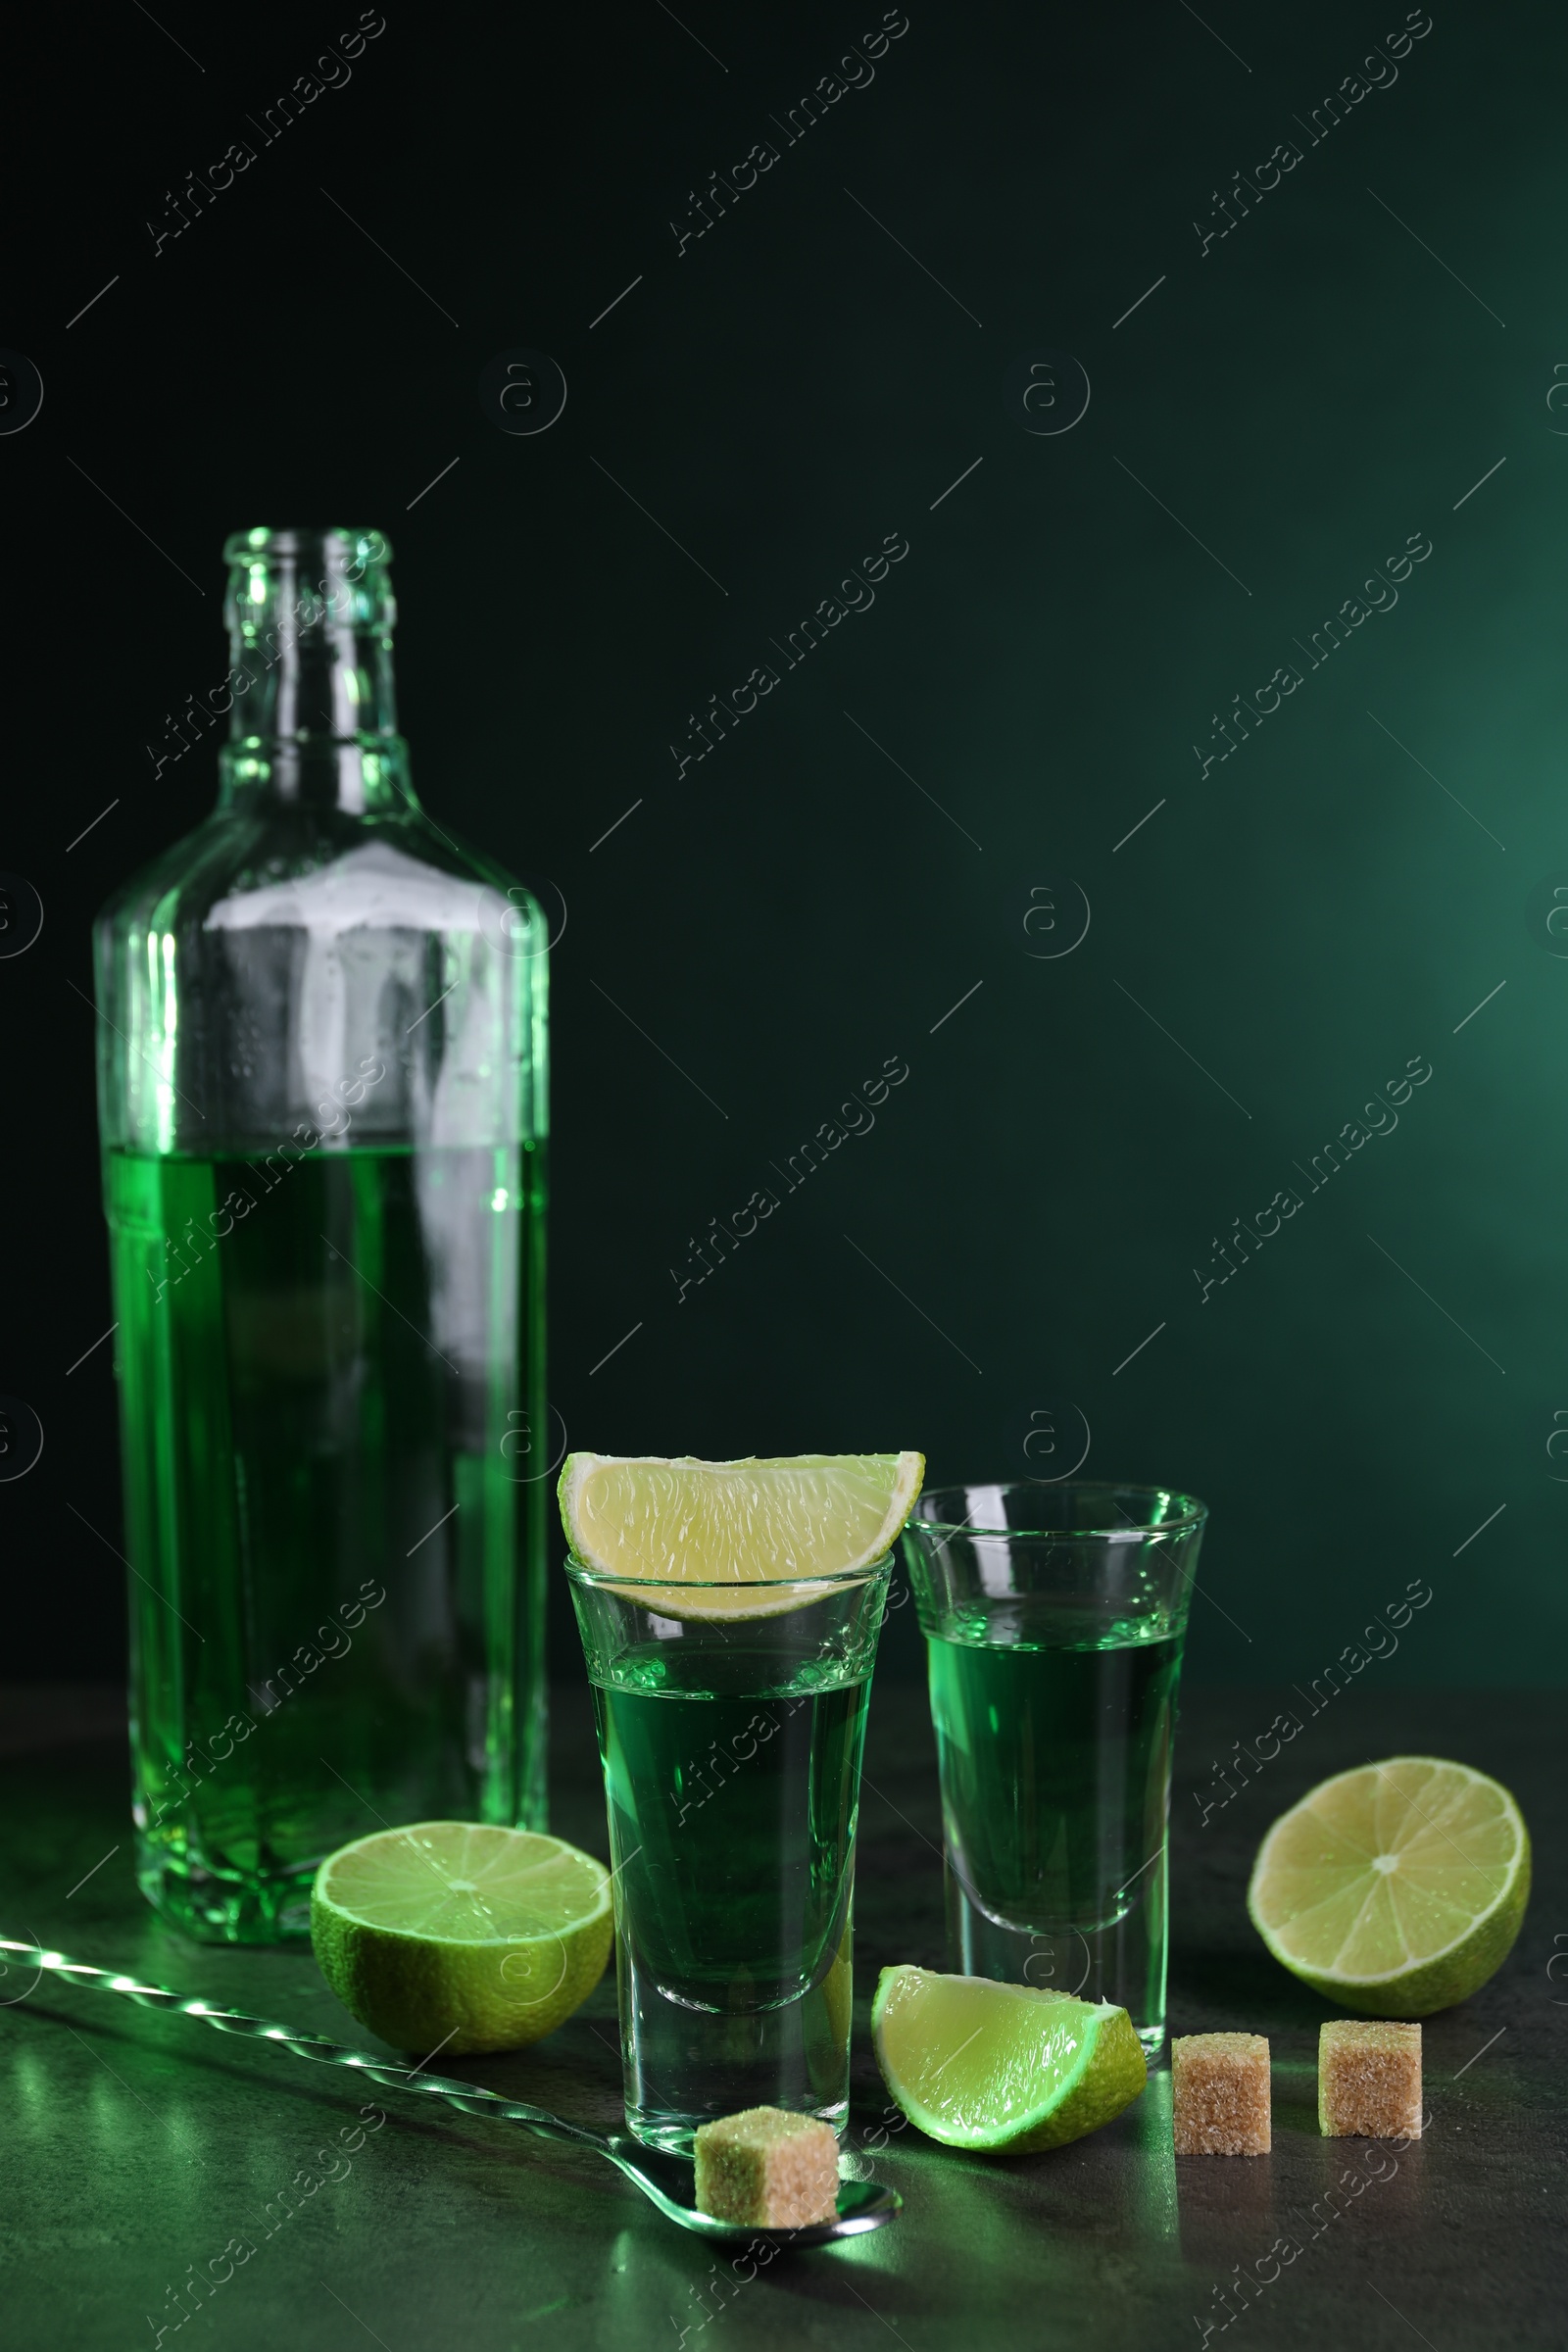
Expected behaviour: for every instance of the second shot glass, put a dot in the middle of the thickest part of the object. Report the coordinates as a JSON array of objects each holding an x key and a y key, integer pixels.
[{"x": 1055, "y": 1618}]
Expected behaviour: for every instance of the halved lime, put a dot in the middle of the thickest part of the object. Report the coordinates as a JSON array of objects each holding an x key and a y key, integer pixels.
[
  {"x": 739, "y": 1525},
  {"x": 458, "y": 1936},
  {"x": 1001, "y": 2067},
  {"x": 1396, "y": 1889}
]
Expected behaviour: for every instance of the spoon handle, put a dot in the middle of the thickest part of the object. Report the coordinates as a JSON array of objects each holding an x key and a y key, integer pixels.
[{"x": 468, "y": 2097}]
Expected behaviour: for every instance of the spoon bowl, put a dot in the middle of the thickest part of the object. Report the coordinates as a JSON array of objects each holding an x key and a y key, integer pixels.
[{"x": 669, "y": 2182}]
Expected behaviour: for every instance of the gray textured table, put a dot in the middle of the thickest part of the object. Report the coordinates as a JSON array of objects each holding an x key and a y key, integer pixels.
[{"x": 137, "y": 2146}]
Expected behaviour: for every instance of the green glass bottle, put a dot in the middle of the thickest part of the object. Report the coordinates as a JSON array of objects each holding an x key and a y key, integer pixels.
[{"x": 322, "y": 1099}]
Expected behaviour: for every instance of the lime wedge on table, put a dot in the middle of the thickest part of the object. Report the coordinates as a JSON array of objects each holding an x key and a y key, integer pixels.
[
  {"x": 456, "y": 1933},
  {"x": 735, "y": 1523},
  {"x": 1396, "y": 1889},
  {"x": 1000, "y": 2068}
]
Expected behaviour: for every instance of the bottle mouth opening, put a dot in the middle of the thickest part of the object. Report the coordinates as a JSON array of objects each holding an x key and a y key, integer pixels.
[{"x": 335, "y": 547}]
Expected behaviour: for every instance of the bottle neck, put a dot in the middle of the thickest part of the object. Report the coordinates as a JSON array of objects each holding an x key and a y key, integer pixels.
[{"x": 312, "y": 720}]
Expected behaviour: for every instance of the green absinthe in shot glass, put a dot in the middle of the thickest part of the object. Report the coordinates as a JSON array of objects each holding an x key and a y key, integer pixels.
[
  {"x": 321, "y": 1060},
  {"x": 1054, "y": 1619},
  {"x": 732, "y": 1750},
  {"x": 1054, "y": 1755}
]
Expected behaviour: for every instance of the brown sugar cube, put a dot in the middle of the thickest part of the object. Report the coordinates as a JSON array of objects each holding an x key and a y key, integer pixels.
[
  {"x": 774, "y": 2169},
  {"x": 1221, "y": 2094},
  {"x": 1369, "y": 2081}
]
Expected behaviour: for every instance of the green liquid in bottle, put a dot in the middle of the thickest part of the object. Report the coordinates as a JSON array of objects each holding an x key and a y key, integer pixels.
[{"x": 327, "y": 1507}]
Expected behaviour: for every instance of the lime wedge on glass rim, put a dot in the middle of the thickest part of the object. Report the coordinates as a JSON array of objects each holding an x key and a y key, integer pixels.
[
  {"x": 1001, "y": 2069},
  {"x": 1396, "y": 1889},
  {"x": 741, "y": 1537},
  {"x": 457, "y": 1935}
]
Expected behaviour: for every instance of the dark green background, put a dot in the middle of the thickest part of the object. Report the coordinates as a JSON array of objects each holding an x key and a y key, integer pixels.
[{"x": 1314, "y": 389}]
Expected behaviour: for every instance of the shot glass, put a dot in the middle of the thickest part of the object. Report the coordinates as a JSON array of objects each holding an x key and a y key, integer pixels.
[
  {"x": 731, "y": 1720},
  {"x": 1054, "y": 1617}
]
